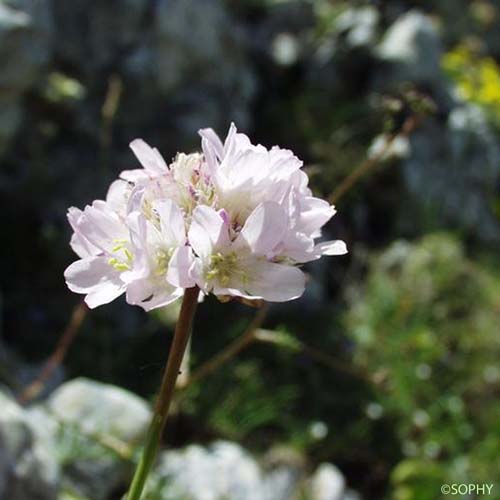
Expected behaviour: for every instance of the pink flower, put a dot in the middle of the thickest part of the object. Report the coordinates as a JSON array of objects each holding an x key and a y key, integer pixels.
[
  {"x": 243, "y": 266},
  {"x": 235, "y": 221}
]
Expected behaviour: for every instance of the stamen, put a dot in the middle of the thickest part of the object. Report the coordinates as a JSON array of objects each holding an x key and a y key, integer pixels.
[
  {"x": 163, "y": 257},
  {"x": 222, "y": 267}
]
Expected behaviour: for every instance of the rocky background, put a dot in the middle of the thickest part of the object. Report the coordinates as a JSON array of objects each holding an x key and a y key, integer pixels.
[{"x": 387, "y": 367}]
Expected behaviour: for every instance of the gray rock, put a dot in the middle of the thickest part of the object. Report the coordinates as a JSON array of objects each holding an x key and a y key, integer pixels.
[
  {"x": 412, "y": 50},
  {"x": 25, "y": 42},
  {"x": 101, "y": 409},
  {"x": 92, "y": 35},
  {"x": 452, "y": 171},
  {"x": 222, "y": 471},
  {"x": 344, "y": 56},
  {"x": 28, "y": 471},
  {"x": 358, "y": 25},
  {"x": 90, "y": 416},
  {"x": 327, "y": 483},
  {"x": 25, "y": 38},
  {"x": 205, "y": 75}
]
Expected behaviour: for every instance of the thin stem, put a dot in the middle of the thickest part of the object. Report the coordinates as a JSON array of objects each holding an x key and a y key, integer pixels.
[
  {"x": 407, "y": 128},
  {"x": 57, "y": 357},
  {"x": 181, "y": 336}
]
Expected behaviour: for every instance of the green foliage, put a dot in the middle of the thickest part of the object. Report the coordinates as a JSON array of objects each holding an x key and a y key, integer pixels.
[{"x": 426, "y": 327}]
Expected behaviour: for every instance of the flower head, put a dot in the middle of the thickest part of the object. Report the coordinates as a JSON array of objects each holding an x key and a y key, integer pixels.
[{"x": 235, "y": 220}]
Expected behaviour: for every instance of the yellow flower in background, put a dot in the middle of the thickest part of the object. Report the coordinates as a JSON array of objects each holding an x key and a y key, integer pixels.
[{"x": 477, "y": 78}]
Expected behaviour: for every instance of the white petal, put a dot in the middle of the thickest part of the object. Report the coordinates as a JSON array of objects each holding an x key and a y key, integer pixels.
[
  {"x": 283, "y": 163},
  {"x": 162, "y": 299},
  {"x": 136, "y": 175},
  {"x": 333, "y": 247},
  {"x": 138, "y": 226},
  {"x": 230, "y": 143},
  {"x": 82, "y": 247},
  {"x": 74, "y": 215},
  {"x": 135, "y": 199},
  {"x": 149, "y": 157},
  {"x": 139, "y": 290},
  {"x": 207, "y": 231},
  {"x": 264, "y": 228},
  {"x": 101, "y": 226},
  {"x": 171, "y": 222},
  {"x": 297, "y": 246},
  {"x": 275, "y": 282},
  {"x": 211, "y": 144},
  {"x": 95, "y": 277},
  {"x": 244, "y": 167},
  {"x": 315, "y": 213},
  {"x": 118, "y": 195},
  {"x": 180, "y": 268},
  {"x": 103, "y": 295},
  {"x": 145, "y": 294}
]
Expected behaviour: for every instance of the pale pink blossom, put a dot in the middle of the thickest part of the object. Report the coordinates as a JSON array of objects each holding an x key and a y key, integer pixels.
[
  {"x": 243, "y": 266},
  {"x": 235, "y": 220}
]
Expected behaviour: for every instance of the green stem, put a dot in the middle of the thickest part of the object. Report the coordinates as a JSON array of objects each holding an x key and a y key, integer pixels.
[{"x": 181, "y": 336}]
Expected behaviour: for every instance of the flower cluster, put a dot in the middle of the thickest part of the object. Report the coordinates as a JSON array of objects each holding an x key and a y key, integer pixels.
[{"x": 236, "y": 220}]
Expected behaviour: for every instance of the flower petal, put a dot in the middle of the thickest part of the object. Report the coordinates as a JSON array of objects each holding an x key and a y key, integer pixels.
[
  {"x": 264, "y": 228},
  {"x": 118, "y": 195},
  {"x": 180, "y": 268},
  {"x": 314, "y": 213},
  {"x": 150, "y": 158},
  {"x": 96, "y": 278},
  {"x": 211, "y": 144},
  {"x": 207, "y": 231},
  {"x": 333, "y": 247},
  {"x": 101, "y": 226},
  {"x": 275, "y": 282},
  {"x": 171, "y": 222},
  {"x": 80, "y": 245},
  {"x": 144, "y": 294}
]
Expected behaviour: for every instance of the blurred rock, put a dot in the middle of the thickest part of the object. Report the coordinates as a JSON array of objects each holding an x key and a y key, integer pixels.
[
  {"x": 28, "y": 471},
  {"x": 93, "y": 416},
  {"x": 93, "y": 36},
  {"x": 358, "y": 26},
  {"x": 206, "y": 76},
  {"x": 344, "y": 56},
  {"x": 25, "y": 41},
  {"x": 25, "y": 37},
  {"x": 101, "y": 408},
  {"x": 411, "y": 49},
  {"x": 327, "y": 483},
  {"x": 453, "y": 172},
  {"x": 223, "y": 470}
]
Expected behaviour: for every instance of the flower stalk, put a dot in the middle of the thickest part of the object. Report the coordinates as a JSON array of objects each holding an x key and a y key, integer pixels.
[{"x": 181, "y": 337}]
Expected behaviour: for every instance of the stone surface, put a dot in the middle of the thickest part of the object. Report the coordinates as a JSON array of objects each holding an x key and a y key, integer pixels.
[
  {"x": 411, "y": 49},
  {"x": 358, "y": 26},
  {"x": 215, "y": 54},
  {"x": 25, "y": 38},
  {"x": 207, "y": 76},
  {"x": 223, "y": 470},
  {"x": 59, "y": 448},
  {"x": 28, "y": 471},
  {"x": 327, "y": 483},
  {"x": 90, "y": 416},
  {"x": 453, "y": 170},
  {"x": 95, "y": 35},
  {"x": 101, "y": 408}
]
